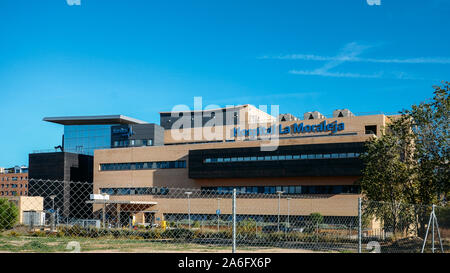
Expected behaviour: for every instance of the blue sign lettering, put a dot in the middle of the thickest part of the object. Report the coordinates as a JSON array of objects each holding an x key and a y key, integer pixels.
[{"x": 299, "y": 128}]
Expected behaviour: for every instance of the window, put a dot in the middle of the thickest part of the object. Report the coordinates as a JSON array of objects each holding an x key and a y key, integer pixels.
[
  {"x": 370, "y": 129},
  {"x": 282, "y": 157},
  {"x": 143, "y": 165}
]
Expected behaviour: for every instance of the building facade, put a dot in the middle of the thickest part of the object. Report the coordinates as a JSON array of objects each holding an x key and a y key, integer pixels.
[
  {"x": 316, "y": 156},
  {"x": 67, "y": 173},
  {"x": 14, "y": 181}
]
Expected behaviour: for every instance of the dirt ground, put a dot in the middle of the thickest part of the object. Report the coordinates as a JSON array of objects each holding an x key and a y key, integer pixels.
[{"x": 151, "y": 250}]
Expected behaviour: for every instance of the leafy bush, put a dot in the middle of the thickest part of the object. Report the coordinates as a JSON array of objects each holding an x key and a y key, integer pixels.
[
  {"x": 316, "y": 218},
  {"x": 247, "y": 228},
  {"x": 9, "y": 214},
  {"x": 179, "y": 233}
]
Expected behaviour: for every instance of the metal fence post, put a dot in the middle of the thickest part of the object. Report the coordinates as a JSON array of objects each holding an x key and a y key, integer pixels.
[
  {"x": 234, "y": 220},
  {"x": 104, "y": 214},
  {"x": 359, "y": 225},
  {"x": 432, "y": 228},
  {"x": 31, "y": 220}
]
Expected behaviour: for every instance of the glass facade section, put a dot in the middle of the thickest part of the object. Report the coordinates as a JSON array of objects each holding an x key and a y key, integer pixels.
[
  {"x": 281, "y": 157},
  {"x": 84, "y": 139},
  {"x": 287, "y": 190},
  {"x": 332, "y": 189},
  {"x": 135, "y": 191}
]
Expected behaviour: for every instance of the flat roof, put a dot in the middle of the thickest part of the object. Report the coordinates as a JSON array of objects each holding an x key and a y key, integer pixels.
[
  {"x": 92, "y": 120},
  {"x": 206, "y": 110}
]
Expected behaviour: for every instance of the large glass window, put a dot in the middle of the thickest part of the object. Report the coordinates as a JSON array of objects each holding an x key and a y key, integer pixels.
[{"x": 84, "y": 139}]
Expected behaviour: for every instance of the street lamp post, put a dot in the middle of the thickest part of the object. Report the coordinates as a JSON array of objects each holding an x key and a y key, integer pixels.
[
  {"x": 188, "y": 193},
  {"x": 218, "y": 214},
  {"x": 288, "y": 223},
  {"x": 104, "y": 210},
  {"x": 52, "y": 197},
  {"x": 279, "y": 197}
]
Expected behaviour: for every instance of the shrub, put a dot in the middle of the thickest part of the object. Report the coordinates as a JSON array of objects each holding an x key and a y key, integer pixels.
[
  {"x": 179, "y": 233},
  {"x": 9, "y": 214},
  {"x": 39, "y": 233},
  {"x": 247, "y": 228},
  {"x": 14, "y": 234},
  {"x": 316, "y": 218}
]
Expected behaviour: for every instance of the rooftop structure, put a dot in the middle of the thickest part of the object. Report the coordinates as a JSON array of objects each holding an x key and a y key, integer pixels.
[{"x": 94, "y": 120}]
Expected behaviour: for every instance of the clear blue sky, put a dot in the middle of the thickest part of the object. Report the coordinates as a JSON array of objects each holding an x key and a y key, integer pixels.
[{"x": 143, "y": 56}]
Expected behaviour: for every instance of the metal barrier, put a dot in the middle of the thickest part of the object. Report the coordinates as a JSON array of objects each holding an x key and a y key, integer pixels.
[{"x": 174, "y": 219}]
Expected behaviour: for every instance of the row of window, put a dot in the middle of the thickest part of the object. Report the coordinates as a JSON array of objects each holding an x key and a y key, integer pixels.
[
  {"x": 135, "y": 191},
  {"x": 335, "y": 189},
  {"x": 281, "y": 157},
  {"x": 143, "y": 165},
  {"x": 332, "y": 189},
  {"x": 14, "y": 178},
  {"x": 133, "y": 143},
  {"x": 13, "y": 185},
  {"x": 12, "y": 193}
]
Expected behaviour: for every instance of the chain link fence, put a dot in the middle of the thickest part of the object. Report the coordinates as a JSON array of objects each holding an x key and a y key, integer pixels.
[
  {"x": 402, "y": 228},
  {"x": 56, "y": 213}
]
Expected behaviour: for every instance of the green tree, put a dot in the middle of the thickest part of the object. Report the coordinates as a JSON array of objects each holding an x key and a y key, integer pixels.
[
  {"x": 409, "y": 164},
  {"x": 316, "y": 218},
  {"x": 9, "y": 214},
  {"x": 430, "y": 125}
]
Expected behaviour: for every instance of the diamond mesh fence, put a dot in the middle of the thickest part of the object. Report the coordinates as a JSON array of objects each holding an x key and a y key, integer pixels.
[
  {"x": 56, "y": 213},
  {"x": 402, "y": 228}
]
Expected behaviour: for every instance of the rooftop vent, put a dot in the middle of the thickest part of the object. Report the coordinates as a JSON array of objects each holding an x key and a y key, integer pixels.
[
  {"x": 341, "y": 113},
  {"x": 313, "y": 115},
  {"x": 287, "y": 117}
]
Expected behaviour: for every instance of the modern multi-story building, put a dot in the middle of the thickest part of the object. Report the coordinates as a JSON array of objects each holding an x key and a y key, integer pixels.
[
  {"x": 14, "y": 181},
  {"x": 316, "y": 156},
  {"x": 72, "y": 160},
  {"x": 143, "y": 166}
]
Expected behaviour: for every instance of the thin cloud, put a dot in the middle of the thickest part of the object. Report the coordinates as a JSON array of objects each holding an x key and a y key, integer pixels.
[
  {"x": 335, "y": 74},
  {"x": 350, "y": 53},
  {"x": 310, "y": 57}
]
